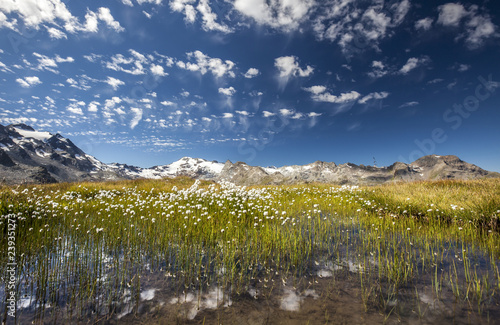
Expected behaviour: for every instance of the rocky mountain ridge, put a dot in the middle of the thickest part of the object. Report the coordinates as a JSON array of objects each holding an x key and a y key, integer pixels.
[{"x": 29, "y": 156}]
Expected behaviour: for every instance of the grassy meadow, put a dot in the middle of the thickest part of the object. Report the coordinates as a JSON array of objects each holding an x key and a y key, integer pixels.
[{"x": 179, "y": 251}]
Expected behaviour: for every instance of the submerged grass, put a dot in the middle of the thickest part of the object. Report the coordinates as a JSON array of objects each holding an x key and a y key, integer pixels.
[{"x": 93, "y": 250}]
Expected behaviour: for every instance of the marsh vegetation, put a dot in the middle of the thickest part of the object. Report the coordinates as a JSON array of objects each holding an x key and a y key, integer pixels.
[{"x": 180, "y": 251}]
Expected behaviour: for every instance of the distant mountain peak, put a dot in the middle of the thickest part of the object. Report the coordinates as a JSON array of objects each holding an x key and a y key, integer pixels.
[{"x": 30, "y": 156}]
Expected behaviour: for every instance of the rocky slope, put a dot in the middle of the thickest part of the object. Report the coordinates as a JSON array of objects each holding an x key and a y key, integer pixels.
[
  {"x": 426, "y": 168},
  {"x": 29, "y": 156}
]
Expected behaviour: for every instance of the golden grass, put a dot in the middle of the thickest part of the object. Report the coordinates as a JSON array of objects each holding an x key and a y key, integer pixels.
[{"x": 476, "y": 200}]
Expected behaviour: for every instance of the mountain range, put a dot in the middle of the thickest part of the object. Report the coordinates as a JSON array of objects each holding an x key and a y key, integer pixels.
[{"x": 29, "y": 156}]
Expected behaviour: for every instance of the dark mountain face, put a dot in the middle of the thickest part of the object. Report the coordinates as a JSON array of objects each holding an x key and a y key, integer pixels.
[{"x": 30, "y": 156}]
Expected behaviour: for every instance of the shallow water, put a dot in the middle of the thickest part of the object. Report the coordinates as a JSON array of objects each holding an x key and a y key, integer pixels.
[
  {"x": 342, "y": 284},
  {"x": 332, "y": 300}
]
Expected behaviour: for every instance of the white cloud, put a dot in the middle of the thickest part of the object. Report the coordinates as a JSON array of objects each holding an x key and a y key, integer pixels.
[
  {"x": 132, "y": 65},
  {"x": 209, "y": 18},
  {"x": 244, "y": 113},
  {"x": 288, "y": 67},
  {"x": 167, "y": 103},
  {"x": 314, "y": 114},
  {"x": 158, "y": 71},
  {"x": 114, "y": 83},
  {"x": 379, "y": 70},
  {"x": 48, "y": 63},
  {"x": 378, "y": 65},
  {"x": 51, "y": 14},
  {"x": 50, "y": 100},
  {"x": 92, "y": 57},
  {"x": 286, "y": 112},
  {"x": 185, "y": 6},
  {"x": 4, "y": 68},
  {"x": 75, "y": 107},
  {"x": 227, "y": 91},
  {"x": 104, "y": 14},
  {"x": 413, "y": 63},
  {"x": 463, "y": 67},
  {"x": 56, "y": 33},
  {"x": 409, "y": 104},
  {"x": 425, "y": 23},
  {"x": 120, "y": 111},
  {"x": 319, "y": 94},
  {"x": 227, "y": 115},
  {"x": 251, "y": 73},
  {"x": 139, "y": 56},
  {"x": 316, "y": 89},
  {"x": 342, "y": 99},
  {"x": 374, "y": 25},
  {"x": 137, "y": 112},
  {"x": 185, "y": 94},
  {"x": 355, "y": 26},
  {"x": 91, "y": 23},
  {"x": 45, "y": 63},
  {"x": 67, "y": 59},
  {"x": 27, "y": 82},
  {"x": 479, "y": 28},
  {"x": 82, "y": 83},
  {"x": 140, "y": 2},
  {"x": 4, "y": 22},
  {"x": 23, "y": 83},
  {"x": 374, "y": 95},
  {"x": 279, "y": 14},
  {"x": 111, "y": 103},
  {"x": 451, "y": 14},
  {"x": 71, "y": 81},
  {"x": 36, "y": 12},
  {"x": 267, "y": 114},
  {"x": 128, "y": 3},
  {"x": 93, "y": 106},
  {"x": 399, "y": 11},
  {"x": 203, "y": 63},
  {"x": 190, "y": 13}
]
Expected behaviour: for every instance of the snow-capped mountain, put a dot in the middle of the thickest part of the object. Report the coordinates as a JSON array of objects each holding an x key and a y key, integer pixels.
[
  {"x": 33, "y": 156},
  {"x": 29, "y": 156},
  {"x": 192, "y": 167},
  {"x": 431, "y": 167}
]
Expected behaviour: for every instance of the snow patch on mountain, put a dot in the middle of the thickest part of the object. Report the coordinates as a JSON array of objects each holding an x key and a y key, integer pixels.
[
  {"x": 29, "y": 156},
  {"x": 42, "y": 136}
]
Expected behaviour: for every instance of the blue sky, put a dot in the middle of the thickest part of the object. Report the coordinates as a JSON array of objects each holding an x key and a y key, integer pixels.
[{"x": 146, "y": 82}]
